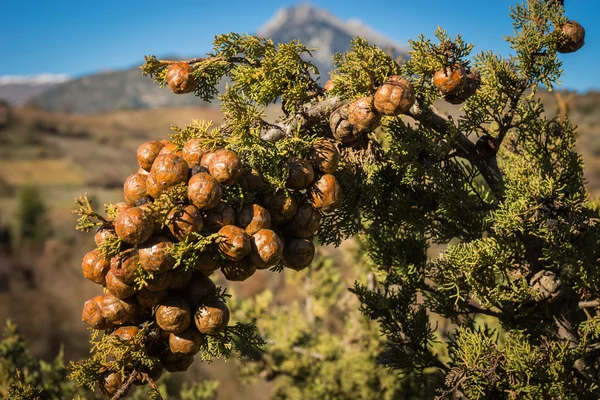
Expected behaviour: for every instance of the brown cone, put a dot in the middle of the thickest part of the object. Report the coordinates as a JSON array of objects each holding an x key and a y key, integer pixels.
[
  {"x": 179, "y": 278},
  {"x": 187, "y": 342},
  {"x": 362, "y": 115},
  {"x": 233, "y": 242},
  {"x": 238, "y": 270},
  {"x": 301, "y": 174},
  {"x": 253, "y": 218},
  {"x": 173, "y": 315},
  {"x": 326, "y": 193},
  {"x": 103, "y": 234},
  {"x": 212, "y": 317},
  {"x": 184, "y": 222},
  {"x": 104, "y": 312},
  {"x": 574, "y": 37},
  {"x": 118, "y": 288},
  {"x": 267, "y": 248},
  {"x": 126, "y": 333},
  {"x": 207, "y": 263},
  {"x": 471, "y": 85},
  {"x": 198, "y": 289},
  {"x": 281, "y": 206},
  {"x": 176, "y": 362},
  {"x": 159, "y": 282},
  {"x": 305, "y": 223},
  {"x": 147, "y": 153},
  {"x": 111, "y": 383},
  {"x": 219, "y": 217},
  {"x": 134, "y": 188},
  {"x": 149, "y": 299},
  {"x": 450, "y": 80},
  {"x": 155, "y": 256},
  {"x": 324, "y": 156},
  {"x": 95, "y": 267},
  {"x": 134, "y": 226},
  {"x": 225, "y": 166},
  {"x": 193, "y": 150},
  {"x": 168, "y": 170},
  {"x": 180, "y": 78},
  {"x": 204, "y": 191},
  {"x": 298, "y": 253},
  {"x": 124, "y": 266},
  {"x": 170, "y": 148},
  {"x": 251, "y": 181},
  {"x": 394, "y": 97}
]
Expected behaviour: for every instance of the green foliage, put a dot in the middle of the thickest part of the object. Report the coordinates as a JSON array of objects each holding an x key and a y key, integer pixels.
[
  {"x": 187, "y": 253},
  {"x": 110, "y": 247},
  {"x": 202, "y": 390},
  {"x": 112, "y": 354},
  {"x": 533, "y": 371},
  {"x": 31, "y": 219},
  {"x": 257, "y": 67},
  {"x": 361, "y": 70},
  {"x": 22, "y": 376},
  {"x": 318, "y": 346},
  {"x": 427, "y": 57},
  {"x": 197, "y": 130},
  {"x": 242, "y": 338},
  {"x": 271, "y": 158},
  {"x": 536, "y": 24},
  {"x": 167, "y": 201},
  {"x": 499, "y": 232},
  {"x": 87, "y": 215}
]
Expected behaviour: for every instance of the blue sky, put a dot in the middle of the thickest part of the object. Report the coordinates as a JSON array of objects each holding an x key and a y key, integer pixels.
[{"x": 79, "y": 37}]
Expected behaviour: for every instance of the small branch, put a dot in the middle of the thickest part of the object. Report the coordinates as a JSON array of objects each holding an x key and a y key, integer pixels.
[
  {"x": 476, "y": 310},
  {"x": 310, "y": 316},
  {"x": 593, "y": 347},
  {"x": 507, "y": 120},
  {"x": 196, "y": 60},
  {"x": 312, "y": 114},
  {"x": 487, "y": 167},
  {"x": 302, "y": 351},
  {"x": 473, "y": 309},
  {"x": 568, "y": 335},
  {"x": 190, "y": 61},
  {"x": 371, "y": 281},
  {"x": 151, "y": 382},
  {"x": 565, "y": 330},
  {"x": 431, "y": 117},
  {"x": 315, "y": 112},
  {"x": 439, "y": 364},
  {"x": 589, "y": 304},
  {"x": 126, "y": 386}
]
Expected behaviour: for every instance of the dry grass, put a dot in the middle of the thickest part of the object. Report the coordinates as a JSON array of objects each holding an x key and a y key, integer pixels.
[{"x": 58, "y": 172}]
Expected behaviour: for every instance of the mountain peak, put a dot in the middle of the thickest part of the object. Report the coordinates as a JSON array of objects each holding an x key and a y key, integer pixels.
[
  {"x": 298, "y": 14},
  {"x": 319, "y": 29}
]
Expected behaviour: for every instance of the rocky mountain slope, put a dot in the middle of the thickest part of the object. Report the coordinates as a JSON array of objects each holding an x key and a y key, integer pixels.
[{"x": 16, "y": 90}]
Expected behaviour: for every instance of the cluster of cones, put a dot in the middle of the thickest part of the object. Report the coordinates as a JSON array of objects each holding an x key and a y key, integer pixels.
[{"x": 145, "y": 282}]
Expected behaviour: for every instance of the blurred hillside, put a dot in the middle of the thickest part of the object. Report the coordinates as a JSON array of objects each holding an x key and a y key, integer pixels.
[{"x": 17, "y": 90}]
